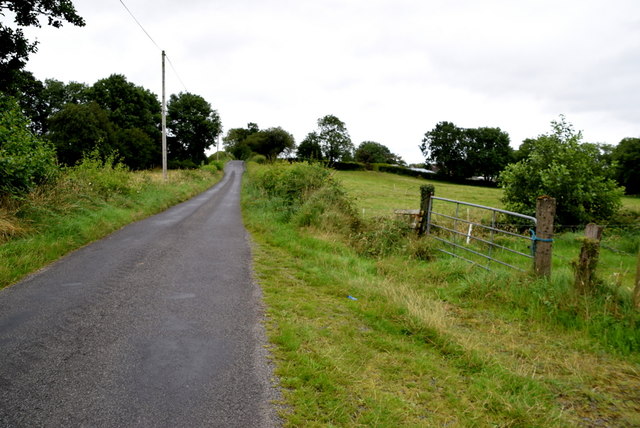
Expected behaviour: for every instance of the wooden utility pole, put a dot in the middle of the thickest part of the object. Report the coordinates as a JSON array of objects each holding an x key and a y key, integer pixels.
[
  {"x": 164, "y": 125},
  {"x": 426, "y": 192},
  {"x": 543, "y": 238}
]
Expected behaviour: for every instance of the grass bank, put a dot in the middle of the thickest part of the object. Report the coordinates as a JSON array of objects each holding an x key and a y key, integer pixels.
[
  {"x": 404, "y": 337},
  {"x": 85, "y": 203}
]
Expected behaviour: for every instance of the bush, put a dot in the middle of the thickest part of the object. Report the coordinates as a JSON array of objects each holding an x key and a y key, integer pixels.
[
  {"x": 328, "y": 208},
  {"x": 382, "y": 237},
  {"x": 220, "y": 156},
  {"x": 259, "y": 159},
  {"x": 181, "y": 164},
  {"x": 291, "y": 183},
  {"x": 559, "y": 166},
  {"x": 25, "y": 160},
  {"x": 95, "y": 175}
]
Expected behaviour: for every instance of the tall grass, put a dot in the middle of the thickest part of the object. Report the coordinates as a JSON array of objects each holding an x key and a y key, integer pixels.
[
  {"x": 428, "y": 343},
  {"x": 85, "y": 203}
]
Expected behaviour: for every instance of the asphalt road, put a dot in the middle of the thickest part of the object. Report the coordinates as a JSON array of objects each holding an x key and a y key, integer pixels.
[{"x": 157, "y": 325}]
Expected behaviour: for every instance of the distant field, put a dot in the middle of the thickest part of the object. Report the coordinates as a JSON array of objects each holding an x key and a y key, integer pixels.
[{"x": 378, "y": 194}]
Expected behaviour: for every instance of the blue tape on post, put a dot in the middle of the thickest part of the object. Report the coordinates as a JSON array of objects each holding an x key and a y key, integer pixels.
[{"x": 535, "y": 240}]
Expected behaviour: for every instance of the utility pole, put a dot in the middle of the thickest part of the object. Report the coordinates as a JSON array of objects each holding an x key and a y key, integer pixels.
[{"x": 164, "y": 125}]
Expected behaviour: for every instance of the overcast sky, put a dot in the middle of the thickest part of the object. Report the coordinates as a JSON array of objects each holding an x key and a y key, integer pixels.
[{"x": 390, "y": 69}]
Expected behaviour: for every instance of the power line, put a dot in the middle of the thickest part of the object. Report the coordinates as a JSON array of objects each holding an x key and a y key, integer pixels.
[
  {"x": 140, "y": 25},
  {"x": 154, "y": 42},
  {"x": 177, "y": 74}
]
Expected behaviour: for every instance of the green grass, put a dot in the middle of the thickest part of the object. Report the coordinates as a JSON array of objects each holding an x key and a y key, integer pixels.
[
  {"x": 84, "y": 205},
  {"x": 434, "y": 343},
  {"x": 379, "y": 194}
]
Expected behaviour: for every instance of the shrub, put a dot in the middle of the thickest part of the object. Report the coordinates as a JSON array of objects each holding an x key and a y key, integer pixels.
[
  {"x": 25, "y": 160},
  {"x": 291, "y": 183},
  {"x": 559, "y": 166},
  {"x": 101, "y": 176},
  {"x": 382, "y": 237}
]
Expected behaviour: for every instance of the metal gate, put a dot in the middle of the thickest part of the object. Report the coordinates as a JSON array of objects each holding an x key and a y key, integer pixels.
[{"x": 483, "y": 236}]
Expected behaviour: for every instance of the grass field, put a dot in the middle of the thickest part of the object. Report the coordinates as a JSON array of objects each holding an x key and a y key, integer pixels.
[
  {"x": 379, "y": 194},
  {"x": 396, "y": 341}
]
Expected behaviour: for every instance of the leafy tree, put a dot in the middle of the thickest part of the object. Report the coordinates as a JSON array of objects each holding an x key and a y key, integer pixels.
[
  {"x": 446, "y": 147},
  {"x": 78, "y": 129},
  {"x": 488, "y": 151},
  {"x": 235, "y": 142},
  {"x": 132, "y": 110},
  {"x": 626, "y": 156},
  {"x": 25, "y": 160},
  {"x": 14, "y": 46},
  {"x": 309, "y": 148},
  {"x": 560, "y": 166},
  {"x": 194, "y": 126},
  {"x": 334, "y": 139},
  {"x": 372, "y": 152},
  {"x": 271, "y": 142}
]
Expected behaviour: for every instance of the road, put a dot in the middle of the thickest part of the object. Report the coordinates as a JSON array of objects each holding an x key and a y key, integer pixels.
[{"x": 157, "y": 325}]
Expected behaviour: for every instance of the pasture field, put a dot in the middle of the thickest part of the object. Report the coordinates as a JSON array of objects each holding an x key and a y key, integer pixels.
[
  {"x": 409, "y": 337},
  {"x": 378, "y": 194}
]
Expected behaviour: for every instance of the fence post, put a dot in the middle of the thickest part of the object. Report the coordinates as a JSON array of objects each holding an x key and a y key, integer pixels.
[
  {"x": 545, "y": 212},
  {"x": 636, "y": 292},
  {"x": 586, "y": 265},
  {"x": 426, "y": 192}
]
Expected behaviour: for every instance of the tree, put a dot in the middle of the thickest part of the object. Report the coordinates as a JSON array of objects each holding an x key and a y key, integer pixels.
[
  {"x": 309, "y": 148},
  {"x": 80, "y": 128},
  {"x": 626, "y": 156},
  {"x": 334, "y": 139},
  {"x": 14, "y": 46},
  {"x": 371, "y": 152},
  {"x": 558, "y": 165},
  {"x": 271, "y": 142},
  {"x": 193, "y": 125},
  {"x": 25, "y": 160},
  {"x": 235, "y": 142},
  {"x": 446, "y": 147},
  {"x": 132, "y": 110},
  {"x": 488, "y": 151}
]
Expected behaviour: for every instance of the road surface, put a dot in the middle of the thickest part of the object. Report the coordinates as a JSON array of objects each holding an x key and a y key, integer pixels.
[{"x": 157, "y": 325}]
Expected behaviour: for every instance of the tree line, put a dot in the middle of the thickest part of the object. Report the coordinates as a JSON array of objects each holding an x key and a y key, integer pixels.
[
  {"x": 586, "y": 179},
  {"x": 329, "y": 142}
]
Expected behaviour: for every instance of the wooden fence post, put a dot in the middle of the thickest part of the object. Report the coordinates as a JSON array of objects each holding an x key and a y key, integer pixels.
[
  {"x": 585, "y": 267},
  {"x": 426, "y": 192},
  {"x": 545, "y": 212},
  {"x": 636, "y": 291}
]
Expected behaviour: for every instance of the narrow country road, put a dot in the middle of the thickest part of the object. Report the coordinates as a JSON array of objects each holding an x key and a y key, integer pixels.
[{"x": 157, "y": 325}]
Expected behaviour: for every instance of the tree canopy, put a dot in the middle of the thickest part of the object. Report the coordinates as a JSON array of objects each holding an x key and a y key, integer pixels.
[
  {"x": 626, "y": 158},
  {"x": 235, "y": 142},
  {"x": 14, "y": 46},
  {"x": 25, "y": 159},
  {"x": 466, "y": 152},
  {"x": 81, "y": 128},
  {"x": 558, "y": 165},
  {"x": 371, "y": 152},
  {"x": 194, "y": 126},
  {"x": 309, "y": 148},
  {"x": 333, "y": 138},
  {"x": 271, "y": 142}
]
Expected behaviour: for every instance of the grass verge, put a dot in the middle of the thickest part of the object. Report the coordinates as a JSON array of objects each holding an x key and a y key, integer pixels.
[
  {"x": 85, "y": 203},
  {"x": 426, "y": 343}
]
